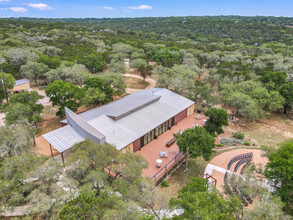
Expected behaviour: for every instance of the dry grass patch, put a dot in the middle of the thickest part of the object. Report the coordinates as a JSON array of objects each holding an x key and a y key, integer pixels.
[
  {"x": 269, "y": 131},
  {"x": 135, "y": 83},
  {"x": 179, "y": 178}
]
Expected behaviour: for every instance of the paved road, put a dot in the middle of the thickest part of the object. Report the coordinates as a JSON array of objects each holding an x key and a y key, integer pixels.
[{"x": 152, "y": 83}]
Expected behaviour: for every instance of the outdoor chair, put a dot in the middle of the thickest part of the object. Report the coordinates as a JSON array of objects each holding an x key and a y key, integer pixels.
[
  {"x": 161, "y": 154},
  {"x": 166, "y": 154}
]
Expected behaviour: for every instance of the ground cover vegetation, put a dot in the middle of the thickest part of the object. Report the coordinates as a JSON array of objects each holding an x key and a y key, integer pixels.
[{"x": 243, "y": 63}]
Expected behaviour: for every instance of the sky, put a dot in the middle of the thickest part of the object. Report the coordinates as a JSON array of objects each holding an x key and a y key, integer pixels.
[{"x": 142, "y": 8}]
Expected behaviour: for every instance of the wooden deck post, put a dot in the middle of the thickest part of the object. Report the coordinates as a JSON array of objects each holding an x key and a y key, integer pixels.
[
  {"x": 51, "y": 150},
  {"x": 62, "y": 158}
]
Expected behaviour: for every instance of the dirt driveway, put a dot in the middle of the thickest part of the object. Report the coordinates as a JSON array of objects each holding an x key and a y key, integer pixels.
[{"x": 151, "y": 82}]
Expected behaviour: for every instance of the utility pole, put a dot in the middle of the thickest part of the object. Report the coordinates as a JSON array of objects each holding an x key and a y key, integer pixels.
[{"x": 4, "y": 86}]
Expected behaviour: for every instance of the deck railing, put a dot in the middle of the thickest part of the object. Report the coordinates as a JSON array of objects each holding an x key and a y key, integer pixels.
[{"x": 167, "y": 169}]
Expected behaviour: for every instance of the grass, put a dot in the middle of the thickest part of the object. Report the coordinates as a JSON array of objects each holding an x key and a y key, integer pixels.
[
  {"x": 135, "y": 83},
  {"x": 270, "y": 131},
  {"x": 179, "y": 178}
]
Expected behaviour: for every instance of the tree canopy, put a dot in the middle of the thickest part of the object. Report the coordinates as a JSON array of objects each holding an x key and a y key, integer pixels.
[
  {"x": 218, "y": 117},
  {"x": 64, "y": 94},
  {"x": 279, "y": 171}
]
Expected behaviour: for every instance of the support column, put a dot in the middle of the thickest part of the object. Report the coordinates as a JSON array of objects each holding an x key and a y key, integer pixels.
[
  {"x": 51, "y": 150},
  {"x": 62, "y": 158}
]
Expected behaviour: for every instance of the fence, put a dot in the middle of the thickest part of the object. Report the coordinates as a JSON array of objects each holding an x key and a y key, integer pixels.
[{"x": 169, "y": 168}]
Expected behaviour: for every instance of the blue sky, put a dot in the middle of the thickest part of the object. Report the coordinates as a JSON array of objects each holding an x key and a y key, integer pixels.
[{"x": 142, "y": 8}]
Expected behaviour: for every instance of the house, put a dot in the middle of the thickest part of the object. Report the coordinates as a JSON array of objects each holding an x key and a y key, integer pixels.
[
  {"x": 128, "y": 124},
  {"x": 21, "y": 84}
]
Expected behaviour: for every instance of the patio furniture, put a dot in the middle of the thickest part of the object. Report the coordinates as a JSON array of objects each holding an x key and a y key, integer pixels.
[
  {"x": 159, "y": 161},
  {"x": 198, "y": 117},
  {"x": 204, "y": 120},
  {"x": 162, "y": 153},
  {"x": 166, "y": 154},
  {"x": 169, "y": 143}
]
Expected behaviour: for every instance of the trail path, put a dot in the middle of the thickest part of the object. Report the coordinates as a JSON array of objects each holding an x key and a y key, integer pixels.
[{"x": 151, "y": 82}]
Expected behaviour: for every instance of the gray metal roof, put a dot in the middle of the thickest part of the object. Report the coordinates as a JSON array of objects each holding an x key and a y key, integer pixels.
[
  {"x": 162, "y": 105},
  {"x": 21, "y": 81},
  {"x": 63, "y": 138},
  {"x": 84, "y": 128}
]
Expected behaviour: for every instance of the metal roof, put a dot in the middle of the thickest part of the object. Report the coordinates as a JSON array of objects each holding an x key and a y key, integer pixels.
[
  {"x": 63, "y": 138},
  {"x": 21, "y": 81},
  {"x": 84, "y": 128},
  {"x": 159, "y": 105}
]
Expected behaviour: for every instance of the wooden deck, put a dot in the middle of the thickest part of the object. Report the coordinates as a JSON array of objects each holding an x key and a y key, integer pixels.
[{"x": 151, "y": 151}]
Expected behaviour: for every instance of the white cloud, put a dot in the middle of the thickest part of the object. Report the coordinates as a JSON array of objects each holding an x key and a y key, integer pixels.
[
  {"x": 4, "y": 0},
  {"x": 141, "y": 7},
  {"x": 40, "y": 6},
  {"x": 108, "y": 8},
  {"x": 3, "y": 9},
  {"x": 18, "y": 9}
]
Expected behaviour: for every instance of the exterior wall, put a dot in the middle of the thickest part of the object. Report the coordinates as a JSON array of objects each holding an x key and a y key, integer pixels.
[
  {"x": 180, "y": 116},
  {"x": 136, "y": 145},
  {"x": 24, "y": 86},
  {"x": 190, "y": 110},
  {"x": 127, "y": 148}
]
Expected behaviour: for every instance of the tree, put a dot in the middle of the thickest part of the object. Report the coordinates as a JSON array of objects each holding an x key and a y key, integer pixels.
[
  {"x": 107, "y": 205},
  {"x": 123, "y": 48},
  {"x": 201, "y": 94},
  {"x": 9, "y": 83},
  {"x": 195, "y": 142},
  {"x": 94, "y": 62},
  {"x": 145, "y": 71},
  {"x": 287, "y": 92},
  {"x": 218, "y": 117},
  {"x": 64, "y": 94},
  {"x": 250, "y": 99},
  {"x": 50, "y": 191},
  {"x": 23, "y": 106},
  {"x": 34, "y": 70},
  {"x": 274, "y": 80},
  {"x": 271, "y": 207},
  {"x": 18, "y": 57},
  {"x": 14, "y": 140},
  {"x": 93, "y": 96},
  {"x": 53, "y": 62},
  {"x": 98, "y": 83},
  {"x": 130, "y": 166},
  {"x": 12, "y": 172},
  {"x": 245, "y": 106},
  {"x": 137, "y": 62},
  {"x": 144, "y": 192},
  {"x": 117, "y": 67},
  {"x": 279, "y": 171},
  {"x": 116, "y": 81},
  {"x": 199, "y": 202}
]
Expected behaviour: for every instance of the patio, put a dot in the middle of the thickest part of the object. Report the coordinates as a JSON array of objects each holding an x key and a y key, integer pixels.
[{"x": 151, "y": 151}]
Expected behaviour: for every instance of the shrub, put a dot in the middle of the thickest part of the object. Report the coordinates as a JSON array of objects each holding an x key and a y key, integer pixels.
[
  {"x": 220, "y": 145},
  {"x": 231, "y": 141},
  {"x": 238, "y": 135},
  {"x": 42, "y": 87},
  {"x": 164, "y": 183},
  {"x": 247, "y": 143}
]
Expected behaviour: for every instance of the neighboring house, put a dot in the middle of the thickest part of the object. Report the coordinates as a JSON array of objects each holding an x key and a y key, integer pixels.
[
  {"x": 21, "y": 84},
  {"x": 128, "y": 123}
]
